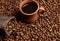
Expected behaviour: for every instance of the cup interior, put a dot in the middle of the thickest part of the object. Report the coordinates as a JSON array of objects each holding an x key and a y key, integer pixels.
[{"x": 29, "y": 7}]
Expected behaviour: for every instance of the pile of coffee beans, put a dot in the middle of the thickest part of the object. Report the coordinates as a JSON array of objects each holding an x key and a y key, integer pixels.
[
  {"x": 46, "y": 28},
  {"x": 11, "y": 25}
]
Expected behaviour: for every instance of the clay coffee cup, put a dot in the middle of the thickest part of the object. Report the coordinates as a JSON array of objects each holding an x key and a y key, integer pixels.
[{"x": 29, "y": 10}]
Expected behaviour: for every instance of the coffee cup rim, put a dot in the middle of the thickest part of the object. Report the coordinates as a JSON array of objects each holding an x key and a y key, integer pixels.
[{"x": 24, "y": 2}]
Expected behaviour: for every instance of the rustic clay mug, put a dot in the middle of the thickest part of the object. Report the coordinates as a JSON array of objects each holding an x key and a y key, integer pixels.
[{"x": 29, "y": 10}]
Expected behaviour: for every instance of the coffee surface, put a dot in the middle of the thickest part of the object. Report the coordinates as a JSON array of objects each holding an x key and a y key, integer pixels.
[{"x": 29, "y": 7}]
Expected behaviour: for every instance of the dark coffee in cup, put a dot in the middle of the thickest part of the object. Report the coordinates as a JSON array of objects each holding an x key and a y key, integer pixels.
[{"x": 29, "y": 7}]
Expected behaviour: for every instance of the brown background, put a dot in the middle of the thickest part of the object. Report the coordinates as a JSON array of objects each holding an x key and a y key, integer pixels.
[{"x": 46, "y": 28}]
